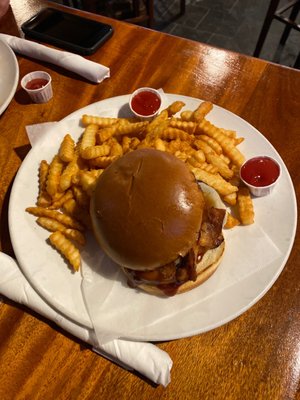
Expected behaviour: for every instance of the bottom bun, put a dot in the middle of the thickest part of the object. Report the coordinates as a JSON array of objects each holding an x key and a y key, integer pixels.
[{"x": 205, "y": 268}]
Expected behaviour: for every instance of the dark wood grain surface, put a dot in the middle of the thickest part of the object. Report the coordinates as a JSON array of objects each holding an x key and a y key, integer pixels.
[{"x": 256, "y": 356}]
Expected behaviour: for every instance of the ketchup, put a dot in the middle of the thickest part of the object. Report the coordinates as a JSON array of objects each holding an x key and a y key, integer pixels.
[
  {"x": 37, "y": 83},
  {"x": 260, "y": 171},
  {"x": 145, "y": 103}
]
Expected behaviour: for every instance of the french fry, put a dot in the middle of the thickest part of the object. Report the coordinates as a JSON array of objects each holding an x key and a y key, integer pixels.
[
  {"x": 231, "y": 221},
  {"x": 134, "y": 143},
  {"x": 181, "y": 156},
  {"x": 72, "y": 208},
  {"x": 192, "y": 162},
  {"x": 204, "y": 108},
  {"x": 222, "y": 167},
  {"x": 215, "y": 181},
  {"x": 102, "y": 162},
  {"x": 175, "y": 145},
  {"x": 226, "y": 160},
  {"x": 212, "y": 143},
  {"x": 175, "y": 107},
  {"x": 208, "y": 168},
  {"x": 88, "y": 180},
  {"x": 44, "y": 199},
  {"x": 156, "y": 129},
  {"x": 145, "y": 144},
  {"x": 160, "y": 119},
  {"x": 53, "y": 178},
  {"x": 75, "y": 180},
  {"x": 125, "y": 144},
  {"x": 204, "y": 146},
  {"x": 58, "y": 216},
  {"x": 75, "y": 236},
  {"x": 238, "y": 141},
  {"x": 53, "y": 225},
  {"x": 116, "y": 149},
  {"x": 196, "y": 158},
  {"x": 245, "y": 206},
  {"x": 228, "y": 132},
  {"x": 186, "y": 115},
  {"x": 66, "y": 248},
  {"x": 187, "y": 126},
  {"x": 58, "y": 203},
  {"x": 174, "y": 133},
  {"x": 43, "y": 172},
  {"x": 95, "y": 151},
  {"x": 82, "y": 198},
  {"x": 160, "y": 144},
  {"x": 128, "y": 144},
  {"x": 89, "y": 137},
  {"x": 131, "y": 129},
  {"x": 102, "y": 122},
  {"x": 107, "y": 132},
  {"x": 70, "y": 170},
  {"x": 230, "y": 198},
  {"x": 67, "y": 149},
  {"x": 199, "y": 155}
]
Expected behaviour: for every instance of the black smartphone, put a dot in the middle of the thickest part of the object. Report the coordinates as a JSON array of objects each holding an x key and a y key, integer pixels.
[{"x": 67, "y": 31}]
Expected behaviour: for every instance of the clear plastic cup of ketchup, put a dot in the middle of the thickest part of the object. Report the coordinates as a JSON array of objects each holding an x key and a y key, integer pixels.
[
  {"x": 38, "y": 85},
  {"x": 260, "y": 174},
  {"x": 145, "y": 103}
]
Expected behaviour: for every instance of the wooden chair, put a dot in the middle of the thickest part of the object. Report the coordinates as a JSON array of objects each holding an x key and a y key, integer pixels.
[
  {"x": 149, "y": 16},
  {"x": 140, "y": 17},
  {"x": 279, "y": 15}
]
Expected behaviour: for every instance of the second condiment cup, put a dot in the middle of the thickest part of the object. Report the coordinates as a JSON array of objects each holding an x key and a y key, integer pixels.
[
  {"x": 260, "y": 174},
  {"x": 38, "y": 85}
]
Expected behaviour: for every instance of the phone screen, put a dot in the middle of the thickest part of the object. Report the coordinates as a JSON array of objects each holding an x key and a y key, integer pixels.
[{"x": 67, "y": 30}]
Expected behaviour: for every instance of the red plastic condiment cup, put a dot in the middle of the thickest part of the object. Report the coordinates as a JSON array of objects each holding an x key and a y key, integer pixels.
[
  {"x": 38, "y": 85},
  {"x": 260, "y": 174},
  {"x": 145, "y": 103}
]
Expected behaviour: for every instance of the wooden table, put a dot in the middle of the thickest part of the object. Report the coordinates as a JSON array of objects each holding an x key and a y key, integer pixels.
[{"x": 254, "y": 356}]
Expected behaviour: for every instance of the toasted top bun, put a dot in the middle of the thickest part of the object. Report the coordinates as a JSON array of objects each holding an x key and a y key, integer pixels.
[{"x": 146, "y": 209}]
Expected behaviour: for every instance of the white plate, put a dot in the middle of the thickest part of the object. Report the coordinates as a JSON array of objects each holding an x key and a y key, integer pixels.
[
  {"x": 9, "y": 76},
  {"x": 49, "y": 275}
]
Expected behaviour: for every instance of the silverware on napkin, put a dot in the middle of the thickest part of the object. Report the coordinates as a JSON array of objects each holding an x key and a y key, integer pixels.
[{"x": 90, "y": 70}]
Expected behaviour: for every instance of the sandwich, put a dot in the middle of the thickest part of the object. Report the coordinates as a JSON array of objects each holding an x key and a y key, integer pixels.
[{"x": 153, "y": 219}]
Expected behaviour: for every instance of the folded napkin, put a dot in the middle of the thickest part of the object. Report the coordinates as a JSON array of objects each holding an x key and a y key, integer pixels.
[
  {"x": 88, "y": 69},
  {"x": 145, "y": 358}
]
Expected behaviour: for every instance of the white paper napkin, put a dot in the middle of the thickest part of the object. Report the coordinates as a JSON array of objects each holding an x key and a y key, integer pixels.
[
  {"x": 88, "y": 69},
  {"x": 145, "y": 358}
]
